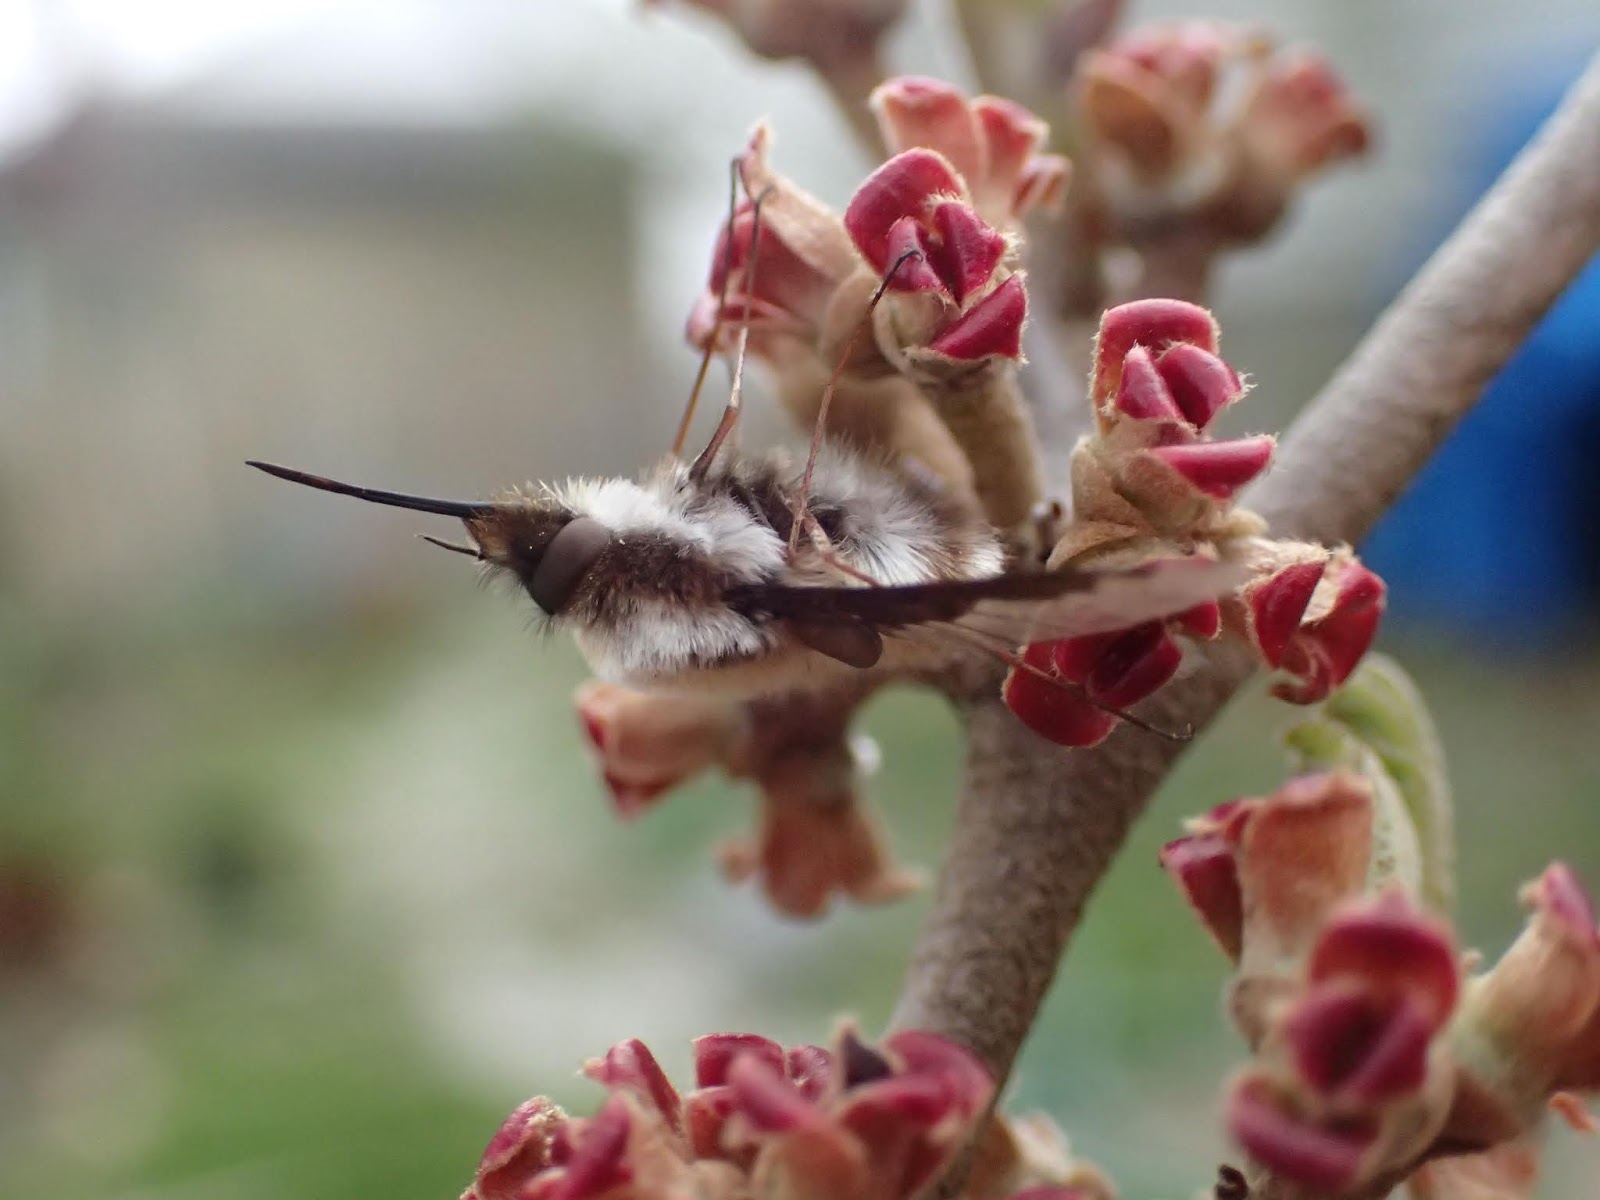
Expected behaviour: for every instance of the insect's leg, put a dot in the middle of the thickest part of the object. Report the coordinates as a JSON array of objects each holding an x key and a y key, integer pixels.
[
  {"x": 829, "y": 555},
  {"x": 730, "y": 415},
  {"x": 802, "y": 498},
  {"x": 710, "y": 351},
  {"x": 469, "y": 551}
]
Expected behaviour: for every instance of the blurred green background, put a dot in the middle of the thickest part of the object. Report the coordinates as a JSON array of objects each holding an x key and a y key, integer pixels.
[{"x": 304, "y": 878}]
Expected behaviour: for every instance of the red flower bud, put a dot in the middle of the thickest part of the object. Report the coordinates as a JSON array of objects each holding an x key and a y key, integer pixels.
[
  {"x": 1154, "y": 324},
  {"x": 1325, "y": 650}
]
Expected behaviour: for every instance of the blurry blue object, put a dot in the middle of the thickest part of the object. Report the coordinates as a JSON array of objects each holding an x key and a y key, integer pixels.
[{"x": 1499, "y": 537}]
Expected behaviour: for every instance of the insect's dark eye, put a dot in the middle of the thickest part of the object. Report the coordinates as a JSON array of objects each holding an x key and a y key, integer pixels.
[
  {"x": 830, "y": 519},
  {"x": 565, "y": 562}
]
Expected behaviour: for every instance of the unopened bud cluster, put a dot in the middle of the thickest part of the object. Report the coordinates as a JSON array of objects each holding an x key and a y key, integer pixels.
[
  {"x": 1378, "y": 1047},
  {"x": 763, "y": 1122},
  {"x": 1153, "y": 483}
]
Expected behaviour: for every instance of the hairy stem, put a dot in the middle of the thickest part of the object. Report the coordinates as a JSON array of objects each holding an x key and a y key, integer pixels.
[
  {"x": 1037, "y": 826},
  {"x": 989, "y": 419}
]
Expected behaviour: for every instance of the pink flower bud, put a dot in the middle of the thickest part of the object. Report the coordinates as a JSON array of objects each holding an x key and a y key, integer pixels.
[
  {"x": 646, "y": 744},
  {"x": 781, "y": 283},
  {"x": 816, "y": 839},
  {"x": 1264, "y": 875},
  {"x": 1301, "y": 118},
  {"x": 1200, "y": 130},
  {"x": 1539, "y": 1006},
  {"x": 1326, "y": 649},
  {"x": 991, "y": 142},
  {"x": 1153, "y": 324}
]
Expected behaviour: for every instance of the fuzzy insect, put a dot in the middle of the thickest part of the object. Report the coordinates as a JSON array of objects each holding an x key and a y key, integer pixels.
[{"x": 686, "y": 580}]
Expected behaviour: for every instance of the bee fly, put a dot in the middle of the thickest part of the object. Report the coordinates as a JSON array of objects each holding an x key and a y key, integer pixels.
[{"x": 750, "y": 577}]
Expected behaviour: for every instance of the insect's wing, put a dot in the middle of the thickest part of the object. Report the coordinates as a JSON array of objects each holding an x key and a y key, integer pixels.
[
  {"x": 1117, "y": 599},
  {"x": 1017, "y": 608}
]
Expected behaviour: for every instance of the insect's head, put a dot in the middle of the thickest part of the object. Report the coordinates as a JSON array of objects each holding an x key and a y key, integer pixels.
[{"x": 547, "y": 546}]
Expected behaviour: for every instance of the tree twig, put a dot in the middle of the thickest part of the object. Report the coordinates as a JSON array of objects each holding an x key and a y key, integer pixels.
[{"x": 1038, "y": 826}]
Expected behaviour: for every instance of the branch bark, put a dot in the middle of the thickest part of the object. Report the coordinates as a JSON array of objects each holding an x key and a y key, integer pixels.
[{"x": 1038, "y": 826}]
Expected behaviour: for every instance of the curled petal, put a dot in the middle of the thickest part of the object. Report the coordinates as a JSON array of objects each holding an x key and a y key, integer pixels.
[
  {"x": 521, "y": 1149},
  {"x": 991, "y": 328},
  {"x": 1203, "y": 865},
  {"x": 715, "y": 1053},
  {"x": 1328, "y": 1157},
  {"x": 1219, "y": 469},
  {"x": 629, "y": 1066},
  {"x": 967, "y": 249},
  {"x": 1053, "y": 712},
  {"x": 1203, "y": 621},
  {"x": 1201, "y": 383},
  {"x": 1324, "y": 652},
  {"x": 1278, "y": 603},
  {"x": 1142, "y": 393},
  {"x": 1358, "y": 1048},
  {"x": 1391, "y": 948},
  {"x": 902, "y": 187},
  {"x": 599, "y": 1156},
  {"x": 907, "y": 249},
  {"x": 1123, "y": 668},
  {"x": 767, "y": 1101}
]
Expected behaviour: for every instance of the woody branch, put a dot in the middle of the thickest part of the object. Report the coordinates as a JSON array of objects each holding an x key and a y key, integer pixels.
[{"x": 1036, "y": 829}]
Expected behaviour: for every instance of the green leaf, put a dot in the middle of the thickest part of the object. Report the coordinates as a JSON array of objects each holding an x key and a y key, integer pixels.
[{"x": 1378, "y": 724}]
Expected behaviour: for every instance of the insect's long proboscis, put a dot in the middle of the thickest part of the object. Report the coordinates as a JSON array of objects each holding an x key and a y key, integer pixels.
[{"x": 461, "y": 510}]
